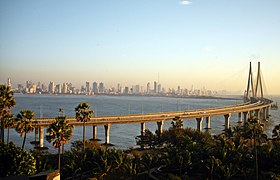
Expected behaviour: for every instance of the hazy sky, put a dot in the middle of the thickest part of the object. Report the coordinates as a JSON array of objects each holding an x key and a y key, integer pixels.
[{"x": 199, "y": 42}]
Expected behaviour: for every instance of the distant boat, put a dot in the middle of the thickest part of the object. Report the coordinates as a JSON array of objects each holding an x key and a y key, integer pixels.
[{"x": 274, "y": 106}]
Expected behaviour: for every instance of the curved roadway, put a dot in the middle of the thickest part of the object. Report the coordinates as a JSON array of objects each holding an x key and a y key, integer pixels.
[{"x": 155, "y": 117}]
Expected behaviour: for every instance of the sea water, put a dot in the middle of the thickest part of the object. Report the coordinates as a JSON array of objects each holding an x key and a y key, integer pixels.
[{"x": 122, "y": 135}]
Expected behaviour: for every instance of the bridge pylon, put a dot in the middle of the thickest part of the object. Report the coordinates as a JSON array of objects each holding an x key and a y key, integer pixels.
[{"x": 253, "y": 91}]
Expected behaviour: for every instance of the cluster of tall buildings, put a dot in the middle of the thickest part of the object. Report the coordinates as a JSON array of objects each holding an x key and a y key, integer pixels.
[{"x": 95, "y": 88}]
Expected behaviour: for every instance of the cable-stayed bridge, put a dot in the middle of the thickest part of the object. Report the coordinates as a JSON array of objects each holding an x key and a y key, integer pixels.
[{"x": 255, "y": 104}]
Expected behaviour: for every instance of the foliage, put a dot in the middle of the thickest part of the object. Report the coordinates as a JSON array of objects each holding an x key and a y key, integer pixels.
[
  {"x": 100, "y": 162},
  {"x": 83, "y": 114},
  {"x": 7, "y": 101},
  {"x": 44, "y": 160},
  {"x": 25, "y": 123},
  {"x": 240, "y": 152},
  {"x": 15, "y": 161},
  {"x": 60, "y": 131}
]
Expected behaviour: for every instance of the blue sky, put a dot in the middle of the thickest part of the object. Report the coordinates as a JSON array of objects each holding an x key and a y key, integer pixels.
[{"x": 197, "y": 42}]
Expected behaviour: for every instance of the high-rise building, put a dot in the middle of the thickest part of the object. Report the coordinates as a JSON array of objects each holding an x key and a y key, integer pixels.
[
  {"x": 119, "y": 88},
  {"x": 51, "y": 87},
  {"x": 148, "y": 88},
  {"x": 33, "y": 88},
  {"x": 159, "y": 88},
  {"x": 87, "y": 88},
  {"x": 9, "y": 83},
  {"x": 64, "y": 88},
  {"x": 58, "y": 89},
  {"x": 28, "y": 86},
  {"x": 155, "y": 87},
  {"x": 179, "y": 90},
  {"x": 94, "y": 87},
  {"x": 126, "y": 90},
  {"x": 20, "y": 88},
  {"x": 101, "y": 87},
  {"x": 44, "y": 88},
  {"x": 136, "y": 89}
]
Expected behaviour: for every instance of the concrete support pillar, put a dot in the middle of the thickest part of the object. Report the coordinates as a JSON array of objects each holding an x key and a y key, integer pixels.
[
  {"x": 267, "y": 112},
  {"x": 160, "y": 124},
  {"x": 245, "y": 115},
  {"x": 107, "y": 133},
  {"x": 251, "y": 115},
  {"x": 143, "y": 128},
  {"x": 208, "y": 122},
  {"x": 36, "y": 134},
  {"x": 258, "y": 114},
  {"x": 264, "y": 114},
  {"x": 41, "y": 136},
  {"x": 227, "y": 121},
  {"x": 240, "y": 117},
  {"x": 199, "y": 123},
  {"x": 94, "y": 132}
]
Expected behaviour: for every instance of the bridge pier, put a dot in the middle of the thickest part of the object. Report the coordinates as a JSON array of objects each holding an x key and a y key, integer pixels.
[
  {"x": 240, "y": 117},
  {"x": 160, "y": 125},
  {"x": 143, "y": 127},
  {"x": 94, "y": 132},
  {"x": 251, "y": 114},
  {"x": 107, "y": 133},
  {"x": 258, "y": 114},
  {"x": 41, "y": 136},
  {"x": 227, "y": 119},
  {"x": 199, "y": 123},
  {"x": 264, "y": 114},
  {"x": 267, "y": 112},
  {"x": 208, "y": 122},
  {"x": 36, "y": 140},
  {"x": 245, "y": 115}
]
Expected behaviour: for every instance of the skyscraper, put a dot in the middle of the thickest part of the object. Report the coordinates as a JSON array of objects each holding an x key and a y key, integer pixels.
[
  {"x": 87, "y": 88},
  {"x": 58, "y": 89},
  {"x": 101, "y": 87},
  {"x": 94, "y": 87},
  {"x": 159, "y": 88},
  {"x": 155, "y": 87},
  {"x": 9, "y": 82},
  {"x": 64, "y": 88},
  {"x": 51, "y": 87},
  {"x": 148, "y": 88}
]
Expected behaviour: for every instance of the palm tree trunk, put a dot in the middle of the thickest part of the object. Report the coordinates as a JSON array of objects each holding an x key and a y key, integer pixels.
[
  {"x": 62, "y": 150},
  {"x": 84, "y": 134},
  {"x": 2, "y": 130},
  {"x": 59, "y": 159},
  {"x": 24, "y": 138},
  {"x": 8, "y": 134}
]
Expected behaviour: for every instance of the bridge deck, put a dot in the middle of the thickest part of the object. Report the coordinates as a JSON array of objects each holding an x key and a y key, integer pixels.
[{"x": 155, "y": 117}]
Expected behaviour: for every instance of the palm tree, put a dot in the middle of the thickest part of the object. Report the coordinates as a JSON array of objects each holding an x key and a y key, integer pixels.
[
  {"x": 7, "y": 101},
  {"x": 25, "y": 123},
  {"x": 83, "y": 114},
  {"x": 61, "y": 132},
  {"x": 9, "y": 123}
]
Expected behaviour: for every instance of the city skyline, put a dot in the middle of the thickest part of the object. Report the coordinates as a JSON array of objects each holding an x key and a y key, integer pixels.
[
  {"x": 204, "y": 44},
  {"x": 95, "y": 88}
]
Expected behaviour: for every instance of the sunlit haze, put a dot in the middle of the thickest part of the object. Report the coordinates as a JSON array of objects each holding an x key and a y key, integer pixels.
[{"x": 188, "y": 43}]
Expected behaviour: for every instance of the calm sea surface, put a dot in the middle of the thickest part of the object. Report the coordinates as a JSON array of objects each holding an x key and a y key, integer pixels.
[{"x": 122, "y": 136}]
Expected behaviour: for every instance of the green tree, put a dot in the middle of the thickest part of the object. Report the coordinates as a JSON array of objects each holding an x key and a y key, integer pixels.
[
  {"x": 14, "y": 161},
  {"x": 9, "y": 123},
  {"x": 7, "y": 101},
  {"x": 60, "y": 131},
  {"x": 83, "y": 114},
  {"x": 25, "y": 123}
]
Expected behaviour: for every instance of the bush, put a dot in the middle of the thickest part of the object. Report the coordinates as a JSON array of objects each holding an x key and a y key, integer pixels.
[{"x": 15, "y": 162}]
